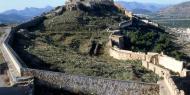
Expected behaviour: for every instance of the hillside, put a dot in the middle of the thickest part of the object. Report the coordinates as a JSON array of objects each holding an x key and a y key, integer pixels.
[
  {"x": 74, "y": 40},
  {"x": 176, "y": 11},
  {"x": 141, "y": 11},
  {"x": 12, "y": 18}
]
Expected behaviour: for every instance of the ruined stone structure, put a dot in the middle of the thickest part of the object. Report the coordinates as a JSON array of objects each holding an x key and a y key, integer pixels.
[
  {"x": 117, "y": 41},
  {"x": 160, "y": 64},
  {"x": 15, "y": 66},
  {"x": 72, "y": 83},
  {"x": 73, "y": 4},
  {"x": 126, "y": 55},
  {"x": 116, "y": 44},
  {"x": 165, "y": 73}
]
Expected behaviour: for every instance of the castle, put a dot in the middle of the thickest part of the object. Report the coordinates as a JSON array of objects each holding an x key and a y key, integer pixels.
[
  {"x": 91, "y": 1},
  {"x": 72, "y": 4}
]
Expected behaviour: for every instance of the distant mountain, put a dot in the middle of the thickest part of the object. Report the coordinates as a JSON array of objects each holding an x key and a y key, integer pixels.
[
  {"x": 141, "y": 8},
  {"x": 141, "y": 11},
  {"x": 176, "y": 11},
  {"x": 12, "y": 18},
  {"x": 18, "y": 16}
]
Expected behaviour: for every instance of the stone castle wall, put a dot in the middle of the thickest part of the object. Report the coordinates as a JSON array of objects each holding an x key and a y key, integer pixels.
[
  {"x": 153, "y": 62},
  {"x": 98, "y": 86},
  {"x": 126, "y": 55},
  {"x": 93, "y": 84},
  {"x": 155, "y": 68},
  {"x": 159, "y": 59},
  {"x": 162, "y": 72},
  {"x": 76, "y": 83},
  {"x": 14, "y": 65},
  {"x": 89, "y": 1},
  {"x": 73, "y": 4},
  {"x": 8, "y": 52}
]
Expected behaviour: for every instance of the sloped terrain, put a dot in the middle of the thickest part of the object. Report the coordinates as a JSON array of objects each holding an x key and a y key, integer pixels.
[{"x": 75, "y": 42}]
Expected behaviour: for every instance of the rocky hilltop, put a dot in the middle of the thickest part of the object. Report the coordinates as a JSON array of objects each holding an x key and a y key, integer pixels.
[{"x": 75, "y": 38}]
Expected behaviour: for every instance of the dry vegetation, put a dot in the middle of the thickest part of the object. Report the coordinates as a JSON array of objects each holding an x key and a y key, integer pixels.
[{"x": 64, "y": 43}]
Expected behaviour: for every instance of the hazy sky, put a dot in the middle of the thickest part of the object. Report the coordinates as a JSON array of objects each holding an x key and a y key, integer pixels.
[{"x": 21, "y": 4}]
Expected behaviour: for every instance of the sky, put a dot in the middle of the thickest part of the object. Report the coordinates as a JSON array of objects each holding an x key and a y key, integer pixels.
[{"x": 21, "y": 4}]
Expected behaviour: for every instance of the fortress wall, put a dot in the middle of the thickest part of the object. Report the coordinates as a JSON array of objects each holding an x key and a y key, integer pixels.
[
  {"x": 126, "y": 24},
  {"x": 8, "y": 53},
  {"x": 155, "y": 68},
  {"x": 163, "y": 60},
  {"x": 100, "y": 1},
  {"x": 152, "y": 61},
  {"x": 77, "y": 83},
  {"x": 166, "y": 75},
  {"x": 126, "y": 55},
  {"x": 168, "y": 62},
  {"x": 117, "y": 40},
  {"x": 98, "y": 86},
  {"x": 172, "y": 87}
]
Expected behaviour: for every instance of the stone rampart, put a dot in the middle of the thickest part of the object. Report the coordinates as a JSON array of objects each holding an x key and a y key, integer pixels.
[
  {"x": 162, "y": 72},
  {"x": 90, "y": 1},
  {"x": 14, "y": 64},
  {"x": 159, "y": 59},
  {"x": 153, "y": 62},
  {"x": 73, "y": 83},
  {"x": 126, "y": 55},
  {"x": 8, "y": 53},
  {"x": 172, "y": 86},
  {"x": 98, "y": 86},
  {"x": 155, "y": 68},
  {"x": 125, "y": 24}
]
